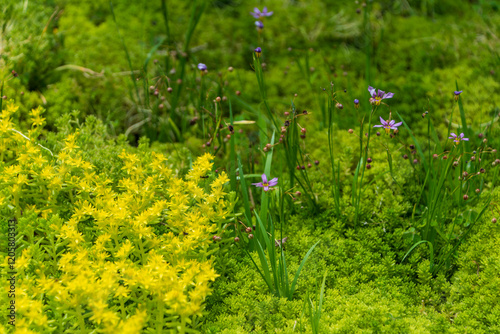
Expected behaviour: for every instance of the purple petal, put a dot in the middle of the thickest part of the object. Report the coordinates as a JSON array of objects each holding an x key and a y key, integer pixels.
[
  {"x": 257, "y": 184},
  {"x": 382, "y": 121},
  {"x": 380, "y": 93},
  {"x": 388, "y": 95},
  {"x": 264, "y": 11},
  {"x": 394, "y": 127},
  {"x": 391, "y": 123},
  {"x": 266, "y": 188},
  {"x": 378, "y": 126},
  {"x": 269, "y": 14},
  {"x": 398, "y": 124},
  {"x": 466, "y": 139},
  {"x": 264, "y": 178},
  {"x": 372, "y": 91},
  {"x": 256, "y": 10},
  {"x": 273, "y": 182},
  {"x": 453, "y": 135},
  {"x": 256, "y": 16}
]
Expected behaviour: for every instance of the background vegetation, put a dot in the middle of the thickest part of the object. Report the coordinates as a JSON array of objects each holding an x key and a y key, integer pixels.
[{"x": 124, "y": 76}]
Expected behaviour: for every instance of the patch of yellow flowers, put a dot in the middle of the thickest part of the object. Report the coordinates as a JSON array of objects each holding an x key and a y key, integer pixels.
[{"x": 104, "y": 255}]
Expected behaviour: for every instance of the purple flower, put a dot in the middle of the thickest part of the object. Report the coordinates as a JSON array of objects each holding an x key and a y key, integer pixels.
[
  {"x": 202, "y": 67},
  {"x": 457, "y": 94},
  {"x": 258, "y": 51},
  {"x": 258, "y": 14},
  {"x": 457, "y": 139},
  {"x": 376, "y": 98},
  {"x": 259, "y": 25},
  {"x": 356, "y": 103},
  {"x": 388, "y": 125},
  {"x": 278, "y": 243},
  {"x": 266, "y": 184}
]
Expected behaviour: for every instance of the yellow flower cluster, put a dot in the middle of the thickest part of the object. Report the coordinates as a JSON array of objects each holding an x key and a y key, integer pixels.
[{"x": 107, "y": 254}]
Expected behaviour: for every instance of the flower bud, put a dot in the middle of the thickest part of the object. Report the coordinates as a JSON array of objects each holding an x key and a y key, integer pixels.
[
  {"x": 218, "y": 99},
  {"x": 238, "y": 93},
  {"x": 250, "y": 236},
  {"x": 466, "y": 197},
  {"x": 435, "y": 156},
  {"x": 230, "y": 69},
  {"x": 368, "y": 166},
  {"x": 369, "y": 160},
  {"x": 169, "y": 89},
  {"x": 236, "y": 239},
  {"x": 350, "y": 130},
  {"x": 478, "y": 191},
  {"x": 339, "y": 106},
  {"x": 494, "y": 220},
  {"x": 248, "y": 229}
]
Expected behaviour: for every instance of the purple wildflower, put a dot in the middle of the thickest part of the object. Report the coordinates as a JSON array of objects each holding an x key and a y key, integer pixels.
[
  {"x": 376, "y": 98},
  {"x": 388, "y": 125},
  {"x": 457, "y": 94},
  {"x": 258, "y": 14},
  {"x": 356, "y": 103},
  {"x": 259, "y": 25},
  {"x": 457, "y": 139},
  {"x": 202, "y": 67},
  {"x": 266, "y": 184},
  {"x": 278, "y": 243},
  {"x": 258, "y": 51}
]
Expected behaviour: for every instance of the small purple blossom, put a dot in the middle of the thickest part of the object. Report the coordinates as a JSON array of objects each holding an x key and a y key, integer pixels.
[
  {"x": 278, "y": 243},
  {"x": 457, "y": 94},
  {"x": 266, "y": 184},
  {"x": 388, "y": 125},
  {"x": 377, "y": 97},
  {"x": 202, "y": 67},
  {"x": 258, "y": 14},
  {"x": 356, "y": 101},
  {"x": 259, "y": 25},
  {"x": 457, "y": 139}
]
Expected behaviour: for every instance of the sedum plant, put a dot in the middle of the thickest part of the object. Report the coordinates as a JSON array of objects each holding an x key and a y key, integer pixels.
[{"x": 129, "y": 254}]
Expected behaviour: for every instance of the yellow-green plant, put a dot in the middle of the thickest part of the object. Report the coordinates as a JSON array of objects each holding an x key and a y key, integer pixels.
[{"x": 129, "y": 254}]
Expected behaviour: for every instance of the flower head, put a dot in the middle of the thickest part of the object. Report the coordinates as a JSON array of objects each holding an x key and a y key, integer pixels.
[
  {"x": 376, "y": 98},
  {"x": 388, "y": 125},
  {"x": 356, "y": 103},
  {"x": 258, "y": 51},
  {"x": 202, "y": 67},
  {"x": 258, "y": 14},
  {"x": 266, "y": 184},
  {"x": 259, "y": 25},
  {"x": 457, "y": 139},
  {"x": 457, "y": 94}
]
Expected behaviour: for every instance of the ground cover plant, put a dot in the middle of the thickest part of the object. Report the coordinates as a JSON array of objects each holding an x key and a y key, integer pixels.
[{"x": 236, "y": 167}]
